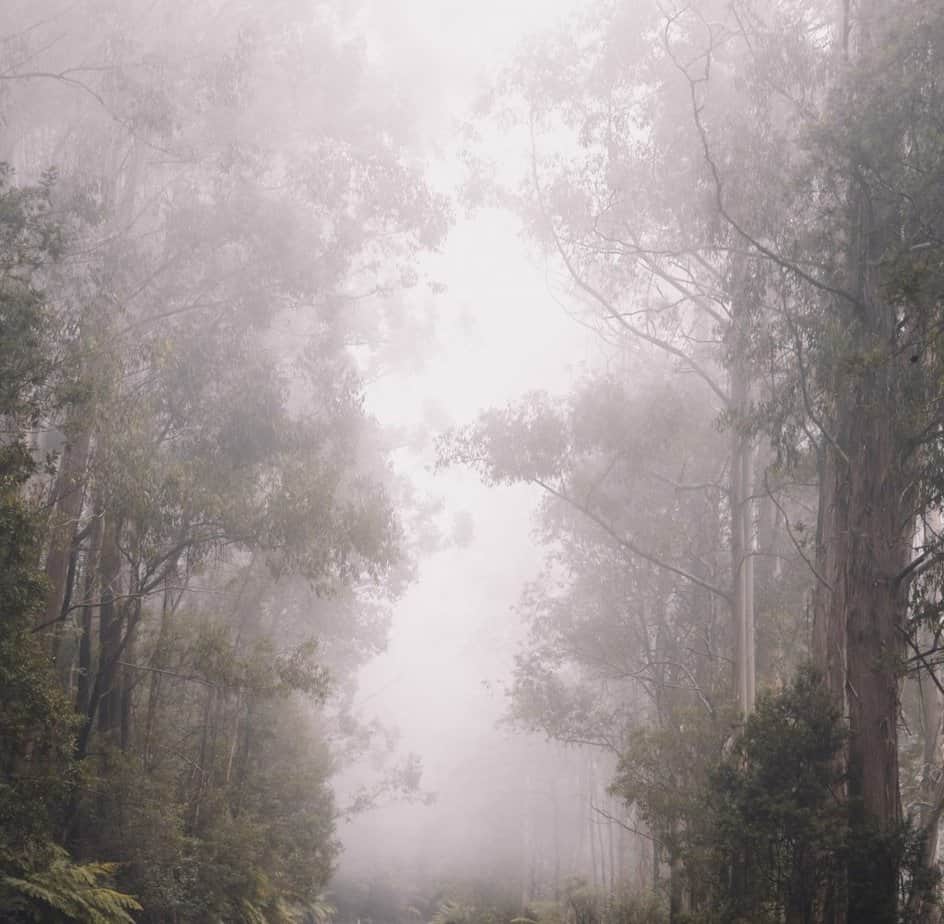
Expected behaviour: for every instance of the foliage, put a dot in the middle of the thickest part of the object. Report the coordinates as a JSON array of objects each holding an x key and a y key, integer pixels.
[
  {"x": 66, "y": 891},
  {"x": 776, "y": 830},
  {"x": 579, "y": 904},
  {"x": 30, "y": 239},
  {"x": 36, "y": 721},
  {"x": 754, "y": 819},
  {"x": 180, "y": 392}
]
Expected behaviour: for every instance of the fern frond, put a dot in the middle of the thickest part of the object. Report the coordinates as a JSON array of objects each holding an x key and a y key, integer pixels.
[
  {"x": 249, "y": 913},
  {"x": 72, "y": 891}
]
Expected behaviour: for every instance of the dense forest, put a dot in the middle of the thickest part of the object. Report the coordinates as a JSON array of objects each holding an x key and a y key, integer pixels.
[{"x": 725, "y": 701}]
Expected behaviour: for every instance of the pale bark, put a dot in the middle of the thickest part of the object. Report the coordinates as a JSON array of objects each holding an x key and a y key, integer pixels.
[{"x": 742, "y": 547}]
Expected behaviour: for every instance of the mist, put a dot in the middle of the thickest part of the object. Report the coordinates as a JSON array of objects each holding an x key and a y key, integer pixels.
[{"x": 471, "y": 464}]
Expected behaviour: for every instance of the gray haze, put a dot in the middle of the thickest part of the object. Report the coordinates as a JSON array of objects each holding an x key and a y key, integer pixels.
[
  {"x": 471, "y": 463},
  {"x": 443, "y": 681}
]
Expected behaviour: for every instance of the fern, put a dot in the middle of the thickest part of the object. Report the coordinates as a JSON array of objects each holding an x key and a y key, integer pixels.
[
  {"x": 278, "y": 911},
  {"x": 69, "y": 891},
  {"x": 452, "y": 912},
  {"x": 249, "y": 913},
  {"x": 319, "y": 911}
]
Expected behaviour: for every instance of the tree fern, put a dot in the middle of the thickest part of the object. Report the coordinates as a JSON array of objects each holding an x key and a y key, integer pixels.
[{"x": 67, "y": 891}]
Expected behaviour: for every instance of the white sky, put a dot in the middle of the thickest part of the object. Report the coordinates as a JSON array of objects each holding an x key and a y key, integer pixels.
[
  {"x": 444, "y": 49},
  {"x": 500, "y": 334}
]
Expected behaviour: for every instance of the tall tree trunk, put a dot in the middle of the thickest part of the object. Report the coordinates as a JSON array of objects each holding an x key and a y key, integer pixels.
[
  {"x": 676, "y": 907},
  {"x": 555, "y": 806},
  {"x": 742, "y": 542},
  {"x": 591, "y": 830},
  {"x": 922, "y": 907},
  {"x": 201, "y": 771},
  {"x": 109, "y": 630},
  {"x": 84, "y": 680},
  {"x": 867, "y": 532},
  {"x": 865, "y": 528},
  {"x": 126, "y": 676},
  {"x": 64, "y": 648},
  {"x": 68, "y": 499},
  {"x": 614, "y": 875},
  {"x": 874, "y": 548},
  {"x": 829, "y": 624},
  {"x": 159, "y": 662}
]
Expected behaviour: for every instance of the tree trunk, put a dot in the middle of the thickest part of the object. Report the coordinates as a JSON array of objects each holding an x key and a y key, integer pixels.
[
  {"x": 675, "y": 888},
  {"x": 84, "y": 680},
  {"x": 200, "y": 774},
  {"x": 868, "y": 536},
  {"x": 921, "y": 906},
  {"x": 126, "y": 677},
  {"x": 742, "y": 541},
  {"x": 865, "y": 532},
  {"x": 829, "y": 624},
  {"x": 69, "y": 495},
  {"x": 158, "y": 661},
  {"x": 109, "y": 631}
]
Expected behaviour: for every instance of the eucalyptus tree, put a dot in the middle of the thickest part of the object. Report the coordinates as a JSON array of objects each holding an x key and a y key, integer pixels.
[
  {"x": 241, "y": 201},
  {"x": 628, "y": 630},
  {"x": 617, "y": 195},
  {"x": 859, "y": 298},
  {"x": 754, "y": 190}
]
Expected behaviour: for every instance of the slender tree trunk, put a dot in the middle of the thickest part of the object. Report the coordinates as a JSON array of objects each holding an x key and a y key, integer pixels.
[
  {"x": 921, "y": 906},
  {"x": 69, "y": 495},
  {"x": 675, "y": 889},
  {"x": 829, "y": 624},
  {"x": 750, "y": 547},
  {"x": 606, "y": 875},
  {"x": 612, "y": 848},
  {"x": 742, "y": 541},
  {"x": 591, "y": 831},
  {"x": 555, "y": 802},
  {"x": 655, "y": 866},
  {"x": 154, "y": 694},
  {"x": 243, "y": 771},
  {"x": 127, "y": 680},
  {"x": 159, "y": 661},
  {"x": 200, "y": 774},
  {"x": 109, "y": 631},
  {"x": 84, "y": 681}
]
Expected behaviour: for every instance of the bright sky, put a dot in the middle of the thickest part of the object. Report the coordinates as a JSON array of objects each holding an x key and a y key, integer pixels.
[
  {"x": 443, "y": 49},
  {"x": 500, "y": 334}
]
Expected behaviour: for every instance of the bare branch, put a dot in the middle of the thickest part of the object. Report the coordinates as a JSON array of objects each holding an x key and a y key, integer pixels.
[
  {"x": 742, "y": 232},
  {"x": 631, "y": 546},
  {"x": 617, "y": 821},
  {"x": 611, "y": 311},
  {"x": 793, "y": 539}
]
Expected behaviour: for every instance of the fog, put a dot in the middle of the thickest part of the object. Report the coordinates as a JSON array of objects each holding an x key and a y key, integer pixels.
[
  {"x": 443, "y": 680},
  {"x": 471, "y": 463}
]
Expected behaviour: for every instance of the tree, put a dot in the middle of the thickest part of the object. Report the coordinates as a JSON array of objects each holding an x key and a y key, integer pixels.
[
  {"x": 627, "y": 623},
  {"x": 769, "y": 171},
  {"x": 218, "y": 496}
]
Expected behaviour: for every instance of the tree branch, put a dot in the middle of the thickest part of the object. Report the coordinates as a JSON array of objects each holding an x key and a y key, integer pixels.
[
  {"x": 611, "y": 312},
  {"x": 631, "y": 546}
]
